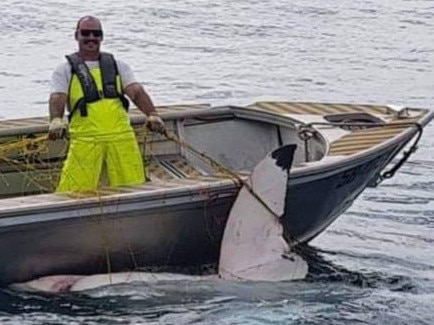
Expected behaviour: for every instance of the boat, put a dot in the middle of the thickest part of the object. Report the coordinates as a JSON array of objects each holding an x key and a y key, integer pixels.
[{"x": 195, "y": 172}]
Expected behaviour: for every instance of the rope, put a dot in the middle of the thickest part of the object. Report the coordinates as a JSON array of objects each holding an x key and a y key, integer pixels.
[
  {"x": 19, "y": 144},
  {"x": 219, "y": 166},
  {"x": 391, "y": 172},
  {"x": 26, "y": 151}
]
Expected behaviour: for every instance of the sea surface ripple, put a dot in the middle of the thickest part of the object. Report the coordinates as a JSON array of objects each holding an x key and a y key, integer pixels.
[{"x": 375, "y": 264}]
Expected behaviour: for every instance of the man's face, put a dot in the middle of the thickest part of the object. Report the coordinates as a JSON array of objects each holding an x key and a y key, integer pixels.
[{"x": 89, "y": 35}]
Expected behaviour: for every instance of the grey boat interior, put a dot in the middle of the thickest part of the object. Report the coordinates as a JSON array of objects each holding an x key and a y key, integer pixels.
[{"x": 234, "y": 137}]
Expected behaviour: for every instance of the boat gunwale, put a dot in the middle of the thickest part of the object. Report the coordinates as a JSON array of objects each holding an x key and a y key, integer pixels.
[
  {"x": 67, "y": 201},
  {"x": 310, "y": 169}
]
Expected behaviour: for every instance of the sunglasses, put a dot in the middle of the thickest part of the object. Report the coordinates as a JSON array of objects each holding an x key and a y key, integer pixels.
[{"x": 87, "y": 32}]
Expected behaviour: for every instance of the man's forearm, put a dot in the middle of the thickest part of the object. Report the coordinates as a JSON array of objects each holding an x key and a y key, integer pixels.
[
  {"x": 56, "y": 104},
  {"x": 141, "y": 99}
]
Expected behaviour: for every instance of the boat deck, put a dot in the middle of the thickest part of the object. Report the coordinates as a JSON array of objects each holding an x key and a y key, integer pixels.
[
  {"x": 357, "y": 140},
  {"x": 361, "y": 140}
]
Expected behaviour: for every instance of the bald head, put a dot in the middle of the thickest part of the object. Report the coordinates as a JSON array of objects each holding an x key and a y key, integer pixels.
[
  {"x": 89, "y": 36},
  {"x": 88, "y": 19}
]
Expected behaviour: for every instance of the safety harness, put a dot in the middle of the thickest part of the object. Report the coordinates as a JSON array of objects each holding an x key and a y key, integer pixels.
[{"x": 109, "y": 74}]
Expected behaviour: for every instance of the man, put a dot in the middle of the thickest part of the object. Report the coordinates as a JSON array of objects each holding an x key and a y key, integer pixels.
[{"x": 92, "y": 84}]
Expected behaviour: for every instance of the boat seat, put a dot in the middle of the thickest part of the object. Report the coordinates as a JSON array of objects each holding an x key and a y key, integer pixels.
[
  {"x": 169, "y": 169},
  {"x": 179, "y": 168}
]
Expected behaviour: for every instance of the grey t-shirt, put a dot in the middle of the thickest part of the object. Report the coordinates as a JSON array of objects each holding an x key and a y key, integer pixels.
[{"x": 62, "y": 75}]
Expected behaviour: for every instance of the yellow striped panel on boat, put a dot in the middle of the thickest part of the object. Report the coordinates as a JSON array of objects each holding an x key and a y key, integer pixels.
[
  {"x": 364, "y": 139},
  {"x": 317, "y": 108}
]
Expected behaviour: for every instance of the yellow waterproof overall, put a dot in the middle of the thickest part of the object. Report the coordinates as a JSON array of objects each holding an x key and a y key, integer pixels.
[{"x": 102, "y": 139}]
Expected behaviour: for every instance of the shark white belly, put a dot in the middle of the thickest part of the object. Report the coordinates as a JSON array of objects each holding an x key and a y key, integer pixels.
[{"x": 253, "y": 247}]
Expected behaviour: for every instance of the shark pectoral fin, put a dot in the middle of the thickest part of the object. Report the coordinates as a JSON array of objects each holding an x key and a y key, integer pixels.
[
  {"x": 253, "y": 247},
  {"x": 282, "y": 268}
]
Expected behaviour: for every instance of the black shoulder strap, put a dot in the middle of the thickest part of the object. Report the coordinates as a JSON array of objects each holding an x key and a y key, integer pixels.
[
  {"x": 87, "y": 83},
  {"x": 109, "y": 71}
]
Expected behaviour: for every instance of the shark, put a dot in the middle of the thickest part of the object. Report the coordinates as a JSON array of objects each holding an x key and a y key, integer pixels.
[{"x": 252, "y": 249}]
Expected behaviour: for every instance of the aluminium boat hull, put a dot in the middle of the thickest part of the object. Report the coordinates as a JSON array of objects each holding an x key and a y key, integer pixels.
[{"x": 180, "y": 222}]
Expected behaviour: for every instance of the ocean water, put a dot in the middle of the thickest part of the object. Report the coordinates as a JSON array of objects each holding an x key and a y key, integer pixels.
[{"x": 375, "y": 264}]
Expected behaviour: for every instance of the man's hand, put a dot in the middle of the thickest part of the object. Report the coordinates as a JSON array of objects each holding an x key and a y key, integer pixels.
[
  {"x": 141, "y": 99},
  {"x": 57, "y": 128},
  {"x": 155, "y": 124}
]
